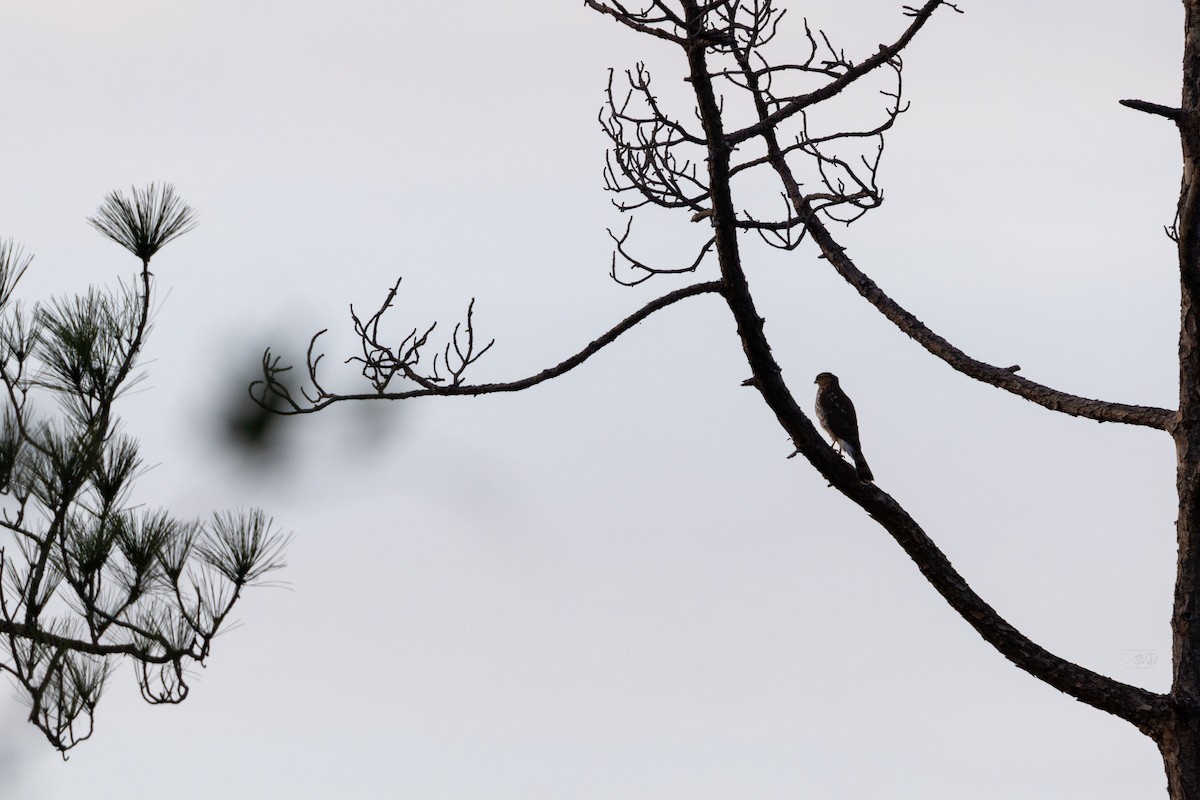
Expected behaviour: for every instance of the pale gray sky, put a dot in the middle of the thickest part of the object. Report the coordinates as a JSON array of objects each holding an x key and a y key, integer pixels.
[{"x": 615, "y": 585}]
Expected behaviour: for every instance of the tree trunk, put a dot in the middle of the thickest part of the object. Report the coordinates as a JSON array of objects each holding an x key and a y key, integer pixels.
[
  {"x": 1180, "y": 741},
  {"x": 1180, "y": 748}
]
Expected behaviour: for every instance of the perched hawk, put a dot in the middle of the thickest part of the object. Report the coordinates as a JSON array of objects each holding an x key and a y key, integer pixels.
[{"x": 836, "y": 415}]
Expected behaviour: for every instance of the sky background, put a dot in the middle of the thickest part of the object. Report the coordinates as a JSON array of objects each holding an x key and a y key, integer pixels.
[{"x": 615, "y": 585}]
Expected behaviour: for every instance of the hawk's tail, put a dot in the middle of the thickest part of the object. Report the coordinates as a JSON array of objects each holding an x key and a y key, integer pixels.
[{"x": 860, "y": 464}]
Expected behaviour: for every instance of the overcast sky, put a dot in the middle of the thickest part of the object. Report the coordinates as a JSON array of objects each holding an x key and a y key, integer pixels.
[{"x": 616, "y": 585}]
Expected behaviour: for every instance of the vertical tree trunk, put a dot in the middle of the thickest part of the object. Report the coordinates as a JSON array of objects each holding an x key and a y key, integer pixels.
[
  {"x": 1179, "y": 748},
  {"x": 1180, "y": 742}
]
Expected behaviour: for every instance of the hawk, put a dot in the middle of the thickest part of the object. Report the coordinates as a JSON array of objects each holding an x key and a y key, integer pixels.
[{"x": 836, "y": 414}]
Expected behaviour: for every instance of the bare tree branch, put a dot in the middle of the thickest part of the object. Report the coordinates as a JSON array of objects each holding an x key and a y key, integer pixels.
[
  {"x": 1173, "y": 114},
  {"x": 643, "y": 270},
  {"x": 271, "y": 386},
  {"x": 1001, "y": 377}
]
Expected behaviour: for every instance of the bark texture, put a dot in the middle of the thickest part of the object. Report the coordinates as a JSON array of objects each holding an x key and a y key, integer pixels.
[{"x": 1179, "y": 741}]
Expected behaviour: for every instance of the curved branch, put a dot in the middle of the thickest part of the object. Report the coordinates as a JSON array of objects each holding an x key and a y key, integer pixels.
[
  {"x": 1144, "y": 709},
  {"x": 329, "y": 398},
  {"x": 1001, "y": 377},
  {"x": 648, "y": 271}
]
